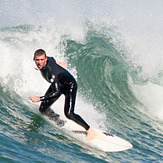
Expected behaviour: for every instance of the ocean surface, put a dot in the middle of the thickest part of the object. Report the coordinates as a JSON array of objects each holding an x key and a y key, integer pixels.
[{"x": 114, "y": 49}]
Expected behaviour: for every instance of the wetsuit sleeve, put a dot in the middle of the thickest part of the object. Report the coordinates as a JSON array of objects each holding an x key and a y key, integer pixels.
[
  {"x": 55, "y": 91},
  {"x": 53, "y": 59}
]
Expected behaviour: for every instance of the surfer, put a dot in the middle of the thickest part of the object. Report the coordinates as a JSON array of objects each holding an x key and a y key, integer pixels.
[{"x": 62, "y": 82}]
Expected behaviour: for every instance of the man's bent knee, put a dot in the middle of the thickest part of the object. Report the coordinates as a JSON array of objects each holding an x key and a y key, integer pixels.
[
  {"x": 45, "y": 105},
  {"x": 43, "y": 109},
  {"x": 70, "y": 116}
]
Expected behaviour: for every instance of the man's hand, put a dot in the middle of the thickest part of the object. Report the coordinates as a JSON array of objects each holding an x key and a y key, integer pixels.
[
  {"x": 34, "y": 98},
  {"x": 62, "y": 64}
]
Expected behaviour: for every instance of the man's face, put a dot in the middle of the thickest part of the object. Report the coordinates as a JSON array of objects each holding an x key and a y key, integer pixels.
[{"x": 40, "y": 61}]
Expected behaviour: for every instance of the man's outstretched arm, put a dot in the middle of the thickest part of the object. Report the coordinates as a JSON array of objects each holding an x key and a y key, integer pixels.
[{"x": 35, "y": 98}]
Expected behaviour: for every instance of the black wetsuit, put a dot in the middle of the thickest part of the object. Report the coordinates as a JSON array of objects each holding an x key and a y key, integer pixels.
[{"x": 62, "y": 82}]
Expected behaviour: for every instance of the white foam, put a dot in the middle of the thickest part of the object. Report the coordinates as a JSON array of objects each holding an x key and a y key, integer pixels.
[
  {"x": 138, "y": 24},
  {"x": 150, "y": 95}
]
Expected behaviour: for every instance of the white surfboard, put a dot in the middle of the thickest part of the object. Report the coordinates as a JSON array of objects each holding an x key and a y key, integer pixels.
[{"x": 102, "y": 141}]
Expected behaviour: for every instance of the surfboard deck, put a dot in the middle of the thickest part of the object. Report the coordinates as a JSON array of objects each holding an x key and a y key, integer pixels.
[{"x": 102, "y": 141}]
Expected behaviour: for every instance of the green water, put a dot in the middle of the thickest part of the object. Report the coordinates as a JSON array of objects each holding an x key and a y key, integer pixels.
[{"x": 103, "y": 81}]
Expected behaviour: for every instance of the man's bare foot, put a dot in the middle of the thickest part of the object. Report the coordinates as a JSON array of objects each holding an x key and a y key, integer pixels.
[
  {"x": 90, "y": 134},
  {"x": 60, "y": 122}
]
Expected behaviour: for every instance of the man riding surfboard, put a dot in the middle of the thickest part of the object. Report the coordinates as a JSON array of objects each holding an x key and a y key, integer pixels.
[{"x": 62, "y": 82}]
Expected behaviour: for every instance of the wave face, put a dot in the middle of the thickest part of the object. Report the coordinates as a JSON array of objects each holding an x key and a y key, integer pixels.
[{"x": 115, "y": 53}]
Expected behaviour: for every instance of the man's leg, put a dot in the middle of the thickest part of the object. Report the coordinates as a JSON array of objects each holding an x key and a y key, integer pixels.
[
  {"x": 70, "y": 97},
  {"x": 46, "y": 110},
  {"x": 47, "y": 103}
]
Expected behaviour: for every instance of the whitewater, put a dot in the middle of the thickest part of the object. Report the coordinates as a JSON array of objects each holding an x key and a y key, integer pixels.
[{"x": 114, "y": 49}]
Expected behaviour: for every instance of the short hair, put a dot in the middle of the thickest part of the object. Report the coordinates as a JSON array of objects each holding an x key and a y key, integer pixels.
[{"x": 39, "y": 52}]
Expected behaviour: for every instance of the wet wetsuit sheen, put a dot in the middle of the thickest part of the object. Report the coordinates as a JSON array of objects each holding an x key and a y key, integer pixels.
[{"x": 62, "y": 82}]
